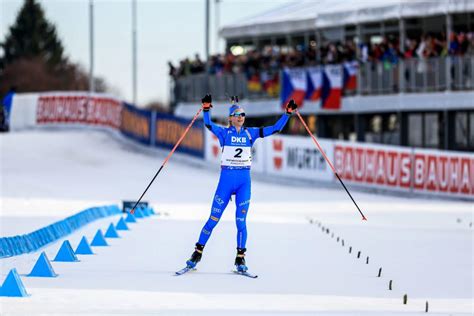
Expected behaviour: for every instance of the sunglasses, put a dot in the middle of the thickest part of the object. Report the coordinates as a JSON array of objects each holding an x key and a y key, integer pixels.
[{"x": 238, "y": 114}]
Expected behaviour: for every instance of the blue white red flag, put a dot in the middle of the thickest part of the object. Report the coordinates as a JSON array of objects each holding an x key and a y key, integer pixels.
[
  {"x": 350, "y": 75},
  {"x": 315, "y": 83},
  {"x": 332, "y": 85},
  {"x": 293, "y": 86}
]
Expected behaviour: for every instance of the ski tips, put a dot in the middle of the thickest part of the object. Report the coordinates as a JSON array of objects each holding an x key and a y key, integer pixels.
[{"x": 234, "y": 99}]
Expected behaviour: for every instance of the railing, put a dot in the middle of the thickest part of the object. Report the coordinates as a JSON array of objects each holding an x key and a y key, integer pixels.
[
  {"x": 417, "y": 75},
  {"x": 409, "y": 76},
  {"x": 193, "y": 87}
]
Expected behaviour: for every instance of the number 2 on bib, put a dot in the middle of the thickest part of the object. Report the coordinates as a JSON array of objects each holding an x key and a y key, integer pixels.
[
  {"x": 233, "y": 156},
  {"x": 238, "y": 153}
]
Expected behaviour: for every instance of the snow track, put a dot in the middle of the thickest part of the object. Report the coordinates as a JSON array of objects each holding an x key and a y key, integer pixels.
[{"x": 424, "y": 246}]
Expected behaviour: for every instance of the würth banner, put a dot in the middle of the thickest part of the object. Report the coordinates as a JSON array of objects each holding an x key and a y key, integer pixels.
[
  {"x": 296, "y": 156},
  {"x": 406, "y": 169}
]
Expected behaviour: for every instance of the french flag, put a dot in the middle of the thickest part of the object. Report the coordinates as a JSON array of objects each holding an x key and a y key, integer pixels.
[
  {"x": 332, "y": 84},
  {"x": 314, "y": 77},
  {"x": 350, "y": 75},
  {"x": 293, "y": 86}
]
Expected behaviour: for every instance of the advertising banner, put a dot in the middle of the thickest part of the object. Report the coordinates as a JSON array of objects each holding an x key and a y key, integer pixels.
[
  {"x": 212, "y": 151},
  {"x": 169, "y": 130},
  {"x": 78, "y": 109},
  {"x": 447, "y": 173},
  {"x": 23, "y": 112},
  {"x": 405, "y": 169},
  {"x": 136, "y": 124},
  {"x": 295, "y": 156},
  {"x": 374, "y": 165}
]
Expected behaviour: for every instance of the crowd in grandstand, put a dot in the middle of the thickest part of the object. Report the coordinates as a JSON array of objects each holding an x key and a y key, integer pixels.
[{"x": 271, "y": 59}]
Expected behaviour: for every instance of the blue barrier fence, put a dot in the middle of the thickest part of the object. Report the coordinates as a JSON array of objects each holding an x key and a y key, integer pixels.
[
  {"x": 169, "y": 128},
  {"x": 162, "y": 130},
  {"x": 136, "y": 124},
  {"x": 17, "y": 245}
]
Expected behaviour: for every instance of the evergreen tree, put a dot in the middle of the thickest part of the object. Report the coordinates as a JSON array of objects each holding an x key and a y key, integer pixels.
[
  {"x": 33, "y": 57},
  {"x": 32, "y": 36}
]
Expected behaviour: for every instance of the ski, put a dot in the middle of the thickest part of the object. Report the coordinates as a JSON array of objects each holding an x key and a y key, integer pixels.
[
  {"x": 245, "y": 273},
  {"x": 184, "y": 270}
]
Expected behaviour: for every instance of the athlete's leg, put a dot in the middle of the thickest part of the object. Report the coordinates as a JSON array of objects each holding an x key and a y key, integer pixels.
[
  {"x": 242, "y": 203},
  {"x": 221, "y": 199}
]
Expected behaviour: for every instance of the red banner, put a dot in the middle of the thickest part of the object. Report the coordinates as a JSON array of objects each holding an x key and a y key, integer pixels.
[
  {"x": 417, "y": 170},
  {"x": 79, "y": 109}
]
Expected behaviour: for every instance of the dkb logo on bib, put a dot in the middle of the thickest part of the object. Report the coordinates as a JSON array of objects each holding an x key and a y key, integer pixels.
[{"x": 241, "y": 140}]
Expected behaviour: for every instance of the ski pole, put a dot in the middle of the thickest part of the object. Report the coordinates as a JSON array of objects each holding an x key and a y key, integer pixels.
[
  {"x": 329, "y": 162},
  {"x": 167, "y": 158}
]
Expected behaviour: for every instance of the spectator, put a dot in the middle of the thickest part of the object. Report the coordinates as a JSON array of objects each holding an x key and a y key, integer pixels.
[
  {"x": 197, "y": 66},
  {"x": 6, "y": 109},
  {"x": 272, "y": 59},
  {"x": 173, "y": 72},
  {"x": 453, "y": 44}
]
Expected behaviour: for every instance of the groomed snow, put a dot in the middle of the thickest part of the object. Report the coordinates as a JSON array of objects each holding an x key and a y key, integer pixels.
[{"x": 424, "y": 245}]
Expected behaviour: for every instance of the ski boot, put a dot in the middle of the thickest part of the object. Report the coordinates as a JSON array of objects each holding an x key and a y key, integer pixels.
[
  {"x": 195, "y": 257},
  {"x": 240, "y": 260}
]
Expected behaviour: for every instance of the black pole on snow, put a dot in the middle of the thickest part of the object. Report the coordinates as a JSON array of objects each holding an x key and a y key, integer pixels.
[
  {"x": 329, "y": 163},
  {"x": 167, "y": 158}
]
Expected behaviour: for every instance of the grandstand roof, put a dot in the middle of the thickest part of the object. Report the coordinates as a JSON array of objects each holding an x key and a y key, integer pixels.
[{"x": 305, "y": 15}]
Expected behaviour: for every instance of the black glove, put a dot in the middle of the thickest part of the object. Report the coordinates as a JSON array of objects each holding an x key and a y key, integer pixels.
[
  {"x": 206, "y": 102},
  {"x": 291, "y": 107}
]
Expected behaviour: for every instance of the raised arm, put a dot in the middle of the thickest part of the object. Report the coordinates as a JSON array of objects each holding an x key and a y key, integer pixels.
[
  {"x": 276, "y": 128},
  {"x": 215, "y": 129},
  {"x": 279, "y": 125}
]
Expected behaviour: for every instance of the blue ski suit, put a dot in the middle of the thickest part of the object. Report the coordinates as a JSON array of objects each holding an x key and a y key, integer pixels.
[{"x": 235, "y": 173}]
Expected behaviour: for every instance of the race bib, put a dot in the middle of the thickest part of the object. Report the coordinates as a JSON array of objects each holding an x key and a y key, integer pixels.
[{"x": 234, "y": 156}]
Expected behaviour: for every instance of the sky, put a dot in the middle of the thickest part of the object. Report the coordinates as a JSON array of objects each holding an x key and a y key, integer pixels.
[{"x": 166, "y": 31}]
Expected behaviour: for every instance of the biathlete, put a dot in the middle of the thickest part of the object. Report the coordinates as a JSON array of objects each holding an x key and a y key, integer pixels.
[{"x": 236, "y": 142}]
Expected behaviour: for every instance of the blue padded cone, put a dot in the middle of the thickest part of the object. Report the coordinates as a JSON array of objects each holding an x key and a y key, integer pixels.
[
  {"x": 99, "y": 239},
  {"x": 138, "y": 213},
  {"x": 43, "y": 268},
  {"x": 65, "y": 253},
  {"x": 145, "y": 212},
  {"x": 12, "y": 286},
  {"x": 148, "y": 211},
  {"x": 121, "y": 225},
  {"x": 130, "y": 218},
  {"x": 84, "y": 248},
  {"x": 111, "y": 232}
]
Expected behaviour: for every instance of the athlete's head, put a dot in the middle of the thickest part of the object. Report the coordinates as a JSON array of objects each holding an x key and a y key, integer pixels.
[{"x": 236, "y": 115}]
